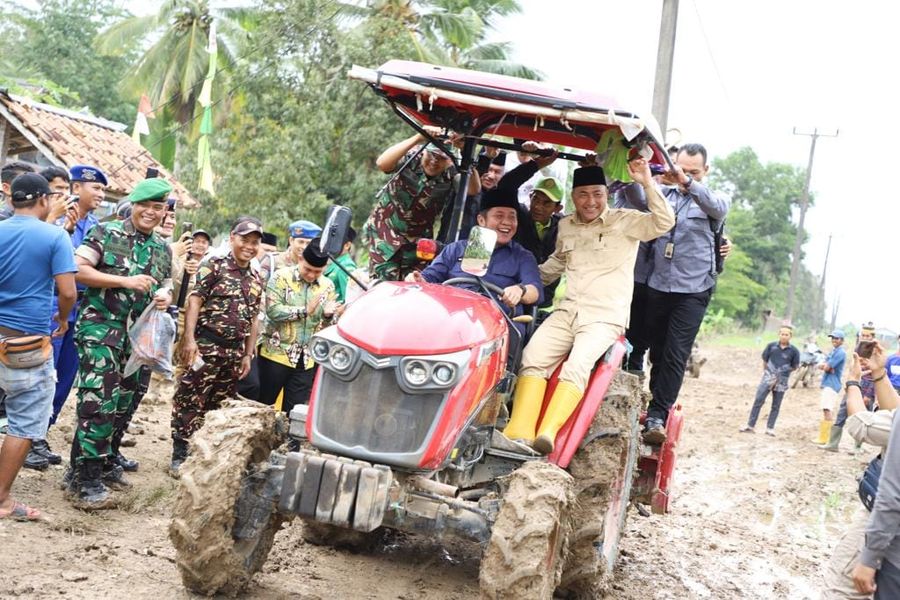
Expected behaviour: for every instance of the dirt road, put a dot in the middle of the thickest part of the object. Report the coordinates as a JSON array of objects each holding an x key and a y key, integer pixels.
[{"x": 753, "y": 517}]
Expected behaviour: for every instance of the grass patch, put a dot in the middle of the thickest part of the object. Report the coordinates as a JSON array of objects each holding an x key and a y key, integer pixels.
[{"x": 136, "y": 501}]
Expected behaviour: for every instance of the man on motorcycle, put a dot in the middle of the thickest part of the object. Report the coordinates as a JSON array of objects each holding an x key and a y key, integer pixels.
[
  {"x": 511, "y": 268},
  {"x": 596, "y": 249}
]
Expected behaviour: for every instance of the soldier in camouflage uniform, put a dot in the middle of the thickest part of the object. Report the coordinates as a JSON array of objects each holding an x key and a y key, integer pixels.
[
  {"x": 220, "y": 335},
  {"x": 408, "y": 209},
  {"x": 299, "y": 301},
  {"x": 125, "y": 266}
]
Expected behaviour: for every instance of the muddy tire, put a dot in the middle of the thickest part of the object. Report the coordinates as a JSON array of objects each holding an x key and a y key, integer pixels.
[
  {"x": 603, "y": 471},
  {"x": 222, "y": 525},
  {"x": 324, "y": 534},
  {"x": 526, "y": 552}
]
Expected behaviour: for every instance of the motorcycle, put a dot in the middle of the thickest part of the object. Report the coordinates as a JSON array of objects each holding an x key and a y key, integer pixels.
[{"x": 810, "y": 359}]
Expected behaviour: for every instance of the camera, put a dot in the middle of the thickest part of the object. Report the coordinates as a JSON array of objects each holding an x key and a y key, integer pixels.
[{"x": 865, "y": 348}]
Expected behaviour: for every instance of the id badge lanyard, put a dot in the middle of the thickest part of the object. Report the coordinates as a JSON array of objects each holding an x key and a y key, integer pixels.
[{"x": 669, "y": 250}]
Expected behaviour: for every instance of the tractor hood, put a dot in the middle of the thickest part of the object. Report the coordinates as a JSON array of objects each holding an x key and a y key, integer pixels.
[{"x": 397, "y": 318}]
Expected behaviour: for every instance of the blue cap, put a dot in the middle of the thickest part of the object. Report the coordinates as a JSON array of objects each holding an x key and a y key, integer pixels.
[
  {"x": 837, "y": 333},
  {"x": 87, "y": 173},
  {"x": 304, "y": 229}
]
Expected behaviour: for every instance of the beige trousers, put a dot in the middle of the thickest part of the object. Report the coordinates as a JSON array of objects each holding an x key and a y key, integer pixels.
[
  {"x": 838, "y": 583},
  {"x": 559, "y": 335}
]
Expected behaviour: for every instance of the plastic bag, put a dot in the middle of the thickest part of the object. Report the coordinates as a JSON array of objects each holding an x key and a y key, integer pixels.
[{"x": 152, "y": 336}]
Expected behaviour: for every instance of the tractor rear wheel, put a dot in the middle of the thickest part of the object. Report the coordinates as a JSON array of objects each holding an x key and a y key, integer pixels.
[
  {"x": 603, "y": 470},
  {"x": 224, "y": 520},
  {"x": 525, "y": 554}
]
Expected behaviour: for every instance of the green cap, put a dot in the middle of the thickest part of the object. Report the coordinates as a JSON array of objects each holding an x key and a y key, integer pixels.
[
  {"x": 150, "y": 189},
  {"x": 550, "y": 187}
]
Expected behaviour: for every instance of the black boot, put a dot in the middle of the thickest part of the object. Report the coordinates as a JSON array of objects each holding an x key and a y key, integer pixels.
[
  {"x": 34, "y": 460},
  {"x": 179, "y": 455},
  {"x": 70, "y": 482},
  {"x": 92, "y": 494},
  {"x": 114, "y": 475},
  {"x": 127, "y": 465},
  {"x": 42, "y": 448}
]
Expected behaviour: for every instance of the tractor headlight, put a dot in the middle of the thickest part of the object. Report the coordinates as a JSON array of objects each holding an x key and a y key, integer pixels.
[
  {"x": 340, "y": 358},
  {"x": 416, "y": 372},
  {"x": 320, "y": 349},
  {"x": 443, "y": 373}
]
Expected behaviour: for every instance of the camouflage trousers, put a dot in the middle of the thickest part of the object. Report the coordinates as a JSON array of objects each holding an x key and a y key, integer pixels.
[
  {"x": 106, "y": 400},
  {"x": 202, "y": 390},
  {"x": 389, "y": 263}
]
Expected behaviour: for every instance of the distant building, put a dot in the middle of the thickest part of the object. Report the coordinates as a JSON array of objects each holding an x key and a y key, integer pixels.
[{"x": 45, "y": 135}]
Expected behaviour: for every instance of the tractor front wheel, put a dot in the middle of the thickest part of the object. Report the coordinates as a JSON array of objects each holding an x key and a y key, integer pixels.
[
  {"x": 225, "y": 518},
  {"x": 525, "y": 555},
  {"x": 603, "y": 470}
]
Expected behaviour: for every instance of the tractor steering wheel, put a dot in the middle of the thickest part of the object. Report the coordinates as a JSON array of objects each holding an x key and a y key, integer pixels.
[{"x": 477, "y": 281}]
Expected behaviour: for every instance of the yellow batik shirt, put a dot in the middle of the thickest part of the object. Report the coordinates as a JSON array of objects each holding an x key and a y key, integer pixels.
[{"x": 290, "y": 324}]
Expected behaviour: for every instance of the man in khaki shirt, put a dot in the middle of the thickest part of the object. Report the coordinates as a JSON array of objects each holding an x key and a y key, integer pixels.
[{"x": 596, "y": 249}]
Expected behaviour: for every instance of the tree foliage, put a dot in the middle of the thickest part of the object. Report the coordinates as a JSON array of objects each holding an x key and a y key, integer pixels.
[
  {"x": 760, "y": 224},
  {"x": 47, "y": 54}
]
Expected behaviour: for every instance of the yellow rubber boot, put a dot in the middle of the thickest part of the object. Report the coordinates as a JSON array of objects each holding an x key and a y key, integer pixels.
[
  {"x": 526, "y": 408},
  {"x": 824, "y": 432},
  {"x": 565, "y": 399}
]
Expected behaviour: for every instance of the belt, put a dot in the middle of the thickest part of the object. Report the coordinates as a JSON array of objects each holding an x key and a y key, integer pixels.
[
  {"x": 7, "y": 332},
  {"x": 218, "y": 339}
]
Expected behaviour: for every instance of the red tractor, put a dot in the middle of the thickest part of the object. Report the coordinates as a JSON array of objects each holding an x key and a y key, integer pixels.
[{"x": 413, "y": 384}]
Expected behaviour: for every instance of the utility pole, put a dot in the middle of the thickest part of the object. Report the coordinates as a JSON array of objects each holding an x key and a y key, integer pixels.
[
  {"x": 804, "y": 204},
  {"x": 665, "y": 56},
  {"x": 821, "y": 304}
]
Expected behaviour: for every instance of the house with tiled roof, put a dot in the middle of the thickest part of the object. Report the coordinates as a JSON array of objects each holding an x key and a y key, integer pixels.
[{"x": 47, "y": 135}]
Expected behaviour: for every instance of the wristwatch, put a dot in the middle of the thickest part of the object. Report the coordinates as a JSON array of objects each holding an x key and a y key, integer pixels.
[
  {"x": 850, "y": 384},
  {"x": 522, "y": 287}
]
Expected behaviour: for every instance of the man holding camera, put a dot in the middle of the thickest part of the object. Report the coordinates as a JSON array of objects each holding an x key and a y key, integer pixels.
[
  {"x": 88, "y": 186},
  {"x": 33, "y": 257}
]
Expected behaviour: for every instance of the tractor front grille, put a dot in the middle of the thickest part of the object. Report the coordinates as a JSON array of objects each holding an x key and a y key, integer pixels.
[{"x": 371, "y": 416}]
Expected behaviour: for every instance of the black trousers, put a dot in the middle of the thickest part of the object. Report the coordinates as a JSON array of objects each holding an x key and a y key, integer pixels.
[
  {"x": 295, "y": 381},
  {"x": 887, "y": 581},
  {"x": 637, "y": 333},
  {"x": 248, "y": 387},
  {"x": 673, "y": 321}
]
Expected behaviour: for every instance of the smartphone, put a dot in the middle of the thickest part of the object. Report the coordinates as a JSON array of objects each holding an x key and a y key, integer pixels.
[
  {"x": 865, "y": 348},
  {"x": 71, "y": 200},
  {"x": 186, "y": 227}
]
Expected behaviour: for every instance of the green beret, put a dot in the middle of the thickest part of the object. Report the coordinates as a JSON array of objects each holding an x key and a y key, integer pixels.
[{"x": 150, "y": 189}]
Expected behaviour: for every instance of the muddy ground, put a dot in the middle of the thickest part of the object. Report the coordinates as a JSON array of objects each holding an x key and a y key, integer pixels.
[{"x": 752, "y": 517}]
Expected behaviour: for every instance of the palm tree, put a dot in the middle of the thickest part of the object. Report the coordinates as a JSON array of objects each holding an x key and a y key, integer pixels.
[
  {"x": 171, "y": 70},
  {"x": 452, "y": 32}
]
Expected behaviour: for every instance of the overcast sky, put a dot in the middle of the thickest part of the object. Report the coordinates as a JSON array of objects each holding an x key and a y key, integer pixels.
[{"x": 745, "y": 74}]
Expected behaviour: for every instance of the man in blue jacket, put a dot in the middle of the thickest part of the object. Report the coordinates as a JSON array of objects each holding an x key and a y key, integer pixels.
[{"x": 831, "y": 382}]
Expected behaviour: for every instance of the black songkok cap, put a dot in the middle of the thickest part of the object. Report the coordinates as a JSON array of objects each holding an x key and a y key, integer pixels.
[
  {"x": 506, "y": 197},
  {"x": 313, "y": 256},
  {"x": 500, "y": 159},
  {"x": 269, "y": 238},
  {"x": 588, "y": 176}
]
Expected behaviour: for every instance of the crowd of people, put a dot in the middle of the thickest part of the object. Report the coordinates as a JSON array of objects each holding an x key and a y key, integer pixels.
[{"x": 71, "y": 287}]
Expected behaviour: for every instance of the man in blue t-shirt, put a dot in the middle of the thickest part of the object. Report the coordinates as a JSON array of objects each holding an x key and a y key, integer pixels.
[
  {"x": 88, "y": 185},
  {"x": 33, "y": 256},
  {"x": 831, "y": 382}
]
